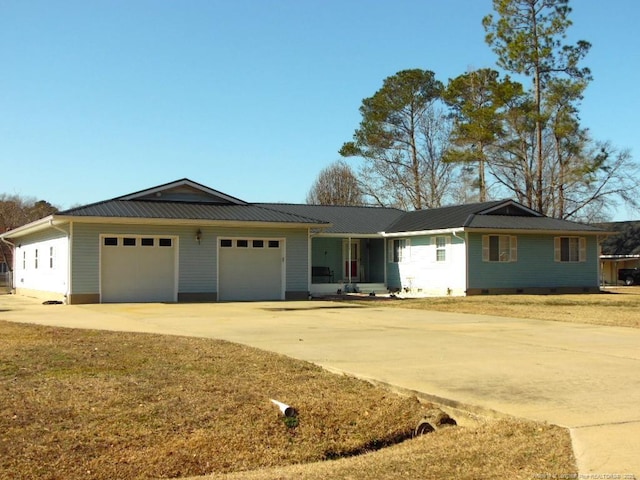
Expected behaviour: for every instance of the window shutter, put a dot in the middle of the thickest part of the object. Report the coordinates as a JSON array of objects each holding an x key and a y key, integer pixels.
[
  {"x": 513, "y": 244},
  {"x": 433, "y": 253},
  {"x": 556, "y": 249},
  {"x": 485, "y": 248},
  {"x": 583, "y": 250}
]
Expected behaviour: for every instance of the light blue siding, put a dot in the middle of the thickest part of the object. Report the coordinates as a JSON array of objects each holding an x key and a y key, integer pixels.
[
  {"x": 197, "y": 262},
  {"x": 535, "y": 266}
]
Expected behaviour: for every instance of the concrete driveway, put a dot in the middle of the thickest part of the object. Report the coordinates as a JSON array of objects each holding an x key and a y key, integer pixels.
[{"x": 583, "y": 377}]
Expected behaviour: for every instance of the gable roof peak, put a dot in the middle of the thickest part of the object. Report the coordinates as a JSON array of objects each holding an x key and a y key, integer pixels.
[
  {"x": 183, "y": 190},
  {"x": 509, "y": 207}
]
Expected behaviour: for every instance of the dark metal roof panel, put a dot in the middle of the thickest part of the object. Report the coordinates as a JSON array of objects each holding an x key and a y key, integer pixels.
[
  {"x": 439, "y": 218},
  {"x": 503, "y": 222},
  {"x": 186, "y": 211},
  {"x": 479, "y": 215},
  {"x": 344, "y": 219}
]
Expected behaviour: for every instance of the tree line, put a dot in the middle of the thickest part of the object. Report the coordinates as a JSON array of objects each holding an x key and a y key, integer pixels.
[
  {"x": 16, "y": 211},
  {"x": 483, "y": 134}
]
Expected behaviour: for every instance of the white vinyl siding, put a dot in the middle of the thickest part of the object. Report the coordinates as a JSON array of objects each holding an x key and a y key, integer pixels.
[
  {"x": 37, "y": 269},
  {"x": 441, "y": 244},
  {"x": 400, "y": 250},
  {"x": 422, "y": 273}
]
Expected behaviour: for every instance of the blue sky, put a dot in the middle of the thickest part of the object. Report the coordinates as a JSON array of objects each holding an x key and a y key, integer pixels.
[{"x": 251, "y": 97}]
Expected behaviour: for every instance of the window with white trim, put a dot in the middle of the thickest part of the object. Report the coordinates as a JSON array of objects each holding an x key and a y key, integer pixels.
[
  {"x": 570, "y": 249},
  {"x": 24, "y": 260},
  {"x": 441, "y": 243},
  {"x": 499, "y": 248},
  {"x": 399, "y": 250},
  {"x": 52, "y": 256},
  {"x": 35, "y": 259}
]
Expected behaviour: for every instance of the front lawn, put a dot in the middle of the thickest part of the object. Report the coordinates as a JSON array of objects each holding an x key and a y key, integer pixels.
[
  {"x": 614, "y": 307},
  {"x": 80, "y": 404}
]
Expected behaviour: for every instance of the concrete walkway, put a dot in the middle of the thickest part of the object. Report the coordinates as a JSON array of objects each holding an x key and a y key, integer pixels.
[{"x": 583, "y": 377}]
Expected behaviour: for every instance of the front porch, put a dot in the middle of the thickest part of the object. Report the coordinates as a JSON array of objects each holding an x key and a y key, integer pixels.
[{"x": 347, "y": 265}]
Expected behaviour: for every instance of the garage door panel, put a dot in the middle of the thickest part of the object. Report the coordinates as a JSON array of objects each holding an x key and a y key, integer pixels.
[
  {"x": 250, "y": 273},
  {"x": 138, "y": 273}
]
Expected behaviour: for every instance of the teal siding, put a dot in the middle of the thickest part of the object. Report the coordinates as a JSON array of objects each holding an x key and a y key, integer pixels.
[
  {"x": 327, "y": 252},
  {"x": 375, "y": 257},
  {"x": 535, "y": 266}
]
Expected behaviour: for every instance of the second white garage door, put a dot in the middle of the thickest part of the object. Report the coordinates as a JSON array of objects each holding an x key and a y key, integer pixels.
[
  {"x": 250, "y": 269},
  {"x": 137, "y": 269}
]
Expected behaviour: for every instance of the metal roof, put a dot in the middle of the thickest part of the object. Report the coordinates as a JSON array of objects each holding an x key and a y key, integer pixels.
[
  {"x": 340, "y": 219},
  {"x": 503, "y": 222},
  {"x": 185, "y": 200},
  {"x": 495, "y": 215},
  {"x": 187, "y": 211},
  {"x": 439, "y": 218},
  {"x": 344, "y": 219}
]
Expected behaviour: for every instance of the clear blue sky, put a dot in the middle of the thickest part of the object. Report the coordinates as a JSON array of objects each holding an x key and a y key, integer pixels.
[{"x": 251, "y": 97}]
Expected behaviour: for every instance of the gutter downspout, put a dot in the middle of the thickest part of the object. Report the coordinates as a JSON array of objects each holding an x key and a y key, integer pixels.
[
  {"x": 10, "y": 267},
  {"x": 349, "y": 262},
  {"x": 68, "y": 235},
  {"x": 466, "y": 258}
]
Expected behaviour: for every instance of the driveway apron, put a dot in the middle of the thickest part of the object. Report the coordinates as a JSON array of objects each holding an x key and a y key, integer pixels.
[{"x": 583, "y": 377}]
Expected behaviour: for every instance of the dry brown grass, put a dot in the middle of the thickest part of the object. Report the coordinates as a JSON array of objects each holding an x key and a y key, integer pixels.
[
  {"x": 615, "y": 307},
  {"x": 80, "y": 404},
  {"x": 500, "y": 449}
]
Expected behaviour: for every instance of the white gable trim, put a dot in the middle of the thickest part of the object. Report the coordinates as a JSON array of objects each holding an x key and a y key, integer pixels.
[
  {"x": 510, "y": 203},
  {"x": 179, "y": 183},
  {"x": 423, "y": 232}
]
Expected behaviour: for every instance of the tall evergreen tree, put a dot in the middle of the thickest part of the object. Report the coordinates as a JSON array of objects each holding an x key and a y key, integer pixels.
[
  {"x": 528, "y": 38},
  {"x": 478, "y": 99},
  {"x": 402, "y": 138}
]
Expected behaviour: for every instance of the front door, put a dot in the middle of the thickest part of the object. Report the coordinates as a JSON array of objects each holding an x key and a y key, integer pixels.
[{"x": 351, "y": 260}]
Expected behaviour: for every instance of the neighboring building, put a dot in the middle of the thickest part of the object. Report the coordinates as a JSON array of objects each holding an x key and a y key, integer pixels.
[
  {"x": 183, "y": 241},
  {"x": 621, "y": 250}
]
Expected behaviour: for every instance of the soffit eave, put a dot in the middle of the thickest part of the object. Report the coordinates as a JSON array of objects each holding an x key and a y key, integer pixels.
[
  {"x": 418, "y": 233},
  {"x": 195, "y": 221},
  {"x": 529, "y": 231}
]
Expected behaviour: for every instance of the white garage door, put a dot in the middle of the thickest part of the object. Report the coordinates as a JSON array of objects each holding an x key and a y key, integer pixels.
[
  {"x": 138, "y": 269},
  {"x": 250, "y": 269}
]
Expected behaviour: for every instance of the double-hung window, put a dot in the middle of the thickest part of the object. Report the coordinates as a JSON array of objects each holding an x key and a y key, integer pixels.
[
  {"x": 441, "y": 248},
  {"x": 399, "y": 250},
  {"x": 570, "y": 249},
  {"x": 499, "y": 248}
]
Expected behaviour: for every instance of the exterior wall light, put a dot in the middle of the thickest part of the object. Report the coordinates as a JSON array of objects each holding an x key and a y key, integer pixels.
[{"x": 198, "y": 236}]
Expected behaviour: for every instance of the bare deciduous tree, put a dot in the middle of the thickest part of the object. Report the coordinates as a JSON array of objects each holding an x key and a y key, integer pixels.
[{"x": 335, "y": 185}]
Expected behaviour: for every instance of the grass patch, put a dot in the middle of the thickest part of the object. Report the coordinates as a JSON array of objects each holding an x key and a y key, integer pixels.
[
  {"x": 80, "y": 404},
  {"x": 617, "y": 307}
]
